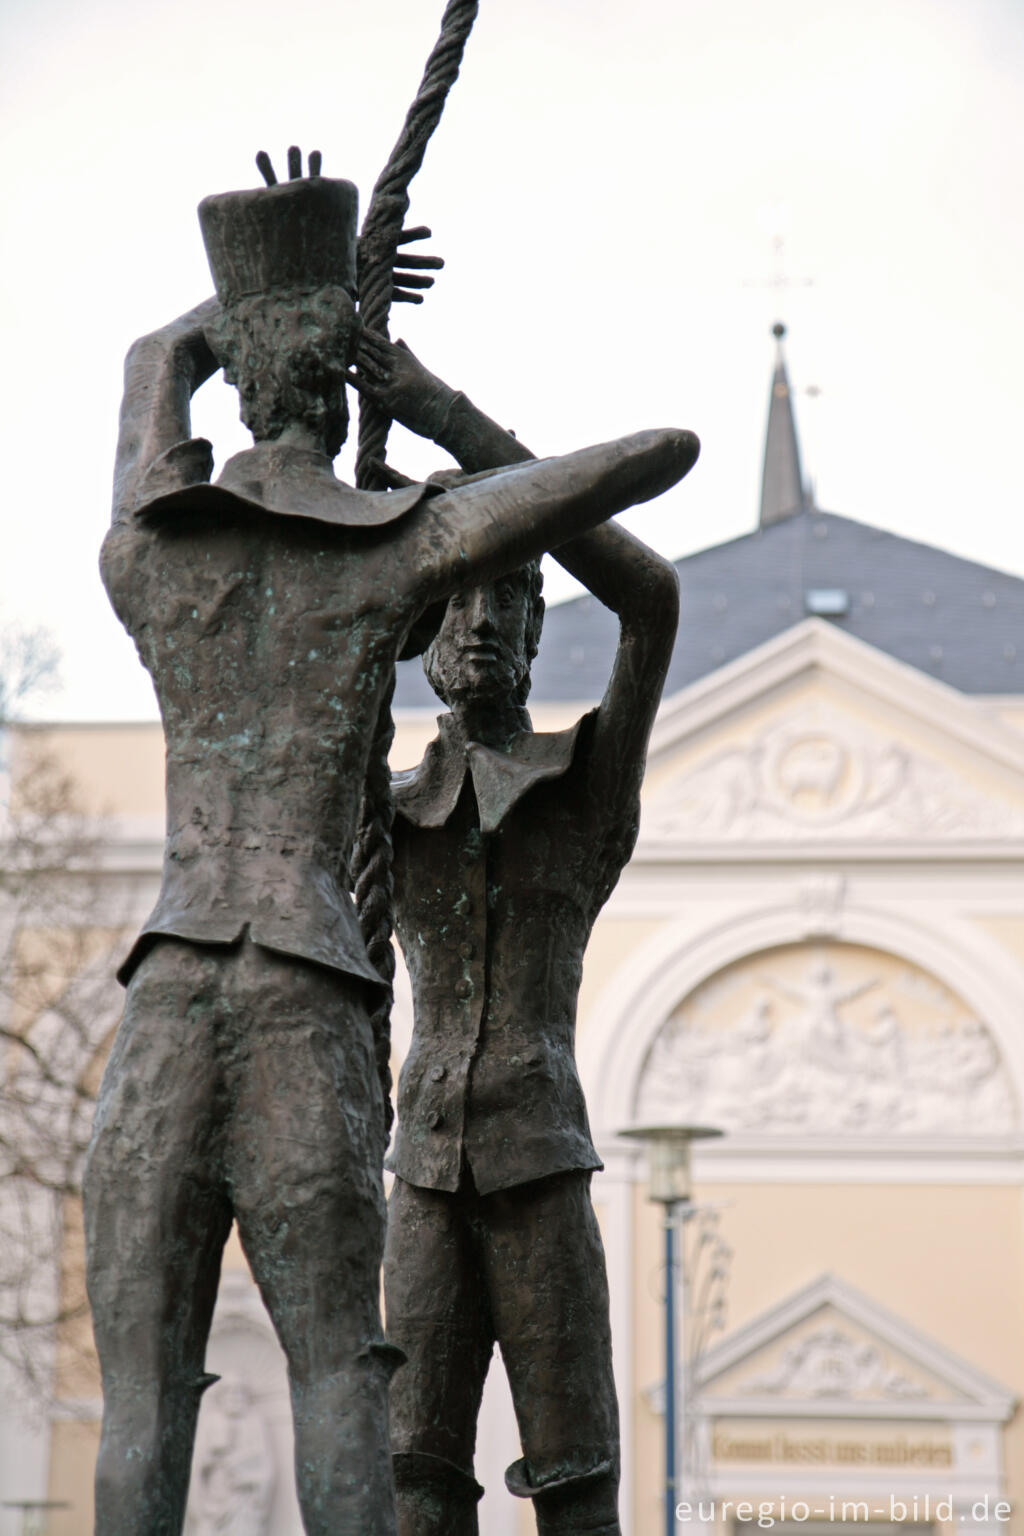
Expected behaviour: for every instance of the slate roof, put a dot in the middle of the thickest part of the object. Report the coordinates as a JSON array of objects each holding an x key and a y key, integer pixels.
[
  {"x": 948, "y": 617},
  {"x": 960, "y": 622}
]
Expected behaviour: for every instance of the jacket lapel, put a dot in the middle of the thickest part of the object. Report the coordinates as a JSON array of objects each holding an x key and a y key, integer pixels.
[{"x": 427, "y": 795}]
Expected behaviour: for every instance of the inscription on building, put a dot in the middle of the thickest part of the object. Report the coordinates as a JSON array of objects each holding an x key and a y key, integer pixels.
[{"x": 830, "y": 1450}]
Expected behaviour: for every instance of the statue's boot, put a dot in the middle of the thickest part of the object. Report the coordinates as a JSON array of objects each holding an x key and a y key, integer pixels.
[
  {"x": 570, "y": 1504},
  {"x": 434, "y": 1497}
]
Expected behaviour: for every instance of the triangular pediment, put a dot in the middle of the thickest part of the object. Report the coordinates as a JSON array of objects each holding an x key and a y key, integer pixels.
[
  {"x": 816, "y": 738},
  {"x": 830, "y": 1351}
]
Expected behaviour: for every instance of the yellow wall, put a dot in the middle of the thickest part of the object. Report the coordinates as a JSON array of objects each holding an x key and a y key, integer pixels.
[
  {"x": 73, "y": 1449},
  {"x": 948, "y": 1258},
  {"x": 117, "y": 769}
]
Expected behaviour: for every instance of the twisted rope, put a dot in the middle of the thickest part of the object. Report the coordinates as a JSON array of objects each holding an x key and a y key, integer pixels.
[
  {"x": 389, "y": 205},
  {"x": 374, "y": 886},
  {"x": 382, "y": 229}
]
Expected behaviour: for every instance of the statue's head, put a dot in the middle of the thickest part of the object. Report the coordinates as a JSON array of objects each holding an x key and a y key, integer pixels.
[
  {"x": 488, "y": 637},
  {"x": 283, "y": 259}
]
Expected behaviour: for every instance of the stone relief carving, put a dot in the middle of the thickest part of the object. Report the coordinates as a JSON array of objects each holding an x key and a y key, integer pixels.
[
  {"x": 821, "y": 898},
  {"x": 244, "y": 1442},
  {"x": 831, "y": 1362},
  {"x": 817, "y": 773},
  {"x": 829, "y": 1039},
  {"x": 235, "y": 1473}
]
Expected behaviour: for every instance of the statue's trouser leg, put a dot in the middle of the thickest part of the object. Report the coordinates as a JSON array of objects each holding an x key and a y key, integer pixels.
[
  {"x": 303, "y": 1162},
  {"x": 438, "y": 1313},
  {"x": 156, "y": 1219},
  {"x": 545, "y": 1273},
  {"x": 239, "y": 1080}
]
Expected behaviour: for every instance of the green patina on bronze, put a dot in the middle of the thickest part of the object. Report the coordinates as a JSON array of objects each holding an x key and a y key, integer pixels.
[{"x": 248, "y": 1078}]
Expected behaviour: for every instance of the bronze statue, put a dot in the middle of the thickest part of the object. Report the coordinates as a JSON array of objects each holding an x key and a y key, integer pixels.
[
  {"x": 507, "y": 844},
  {"x": 269, "y": 608}
]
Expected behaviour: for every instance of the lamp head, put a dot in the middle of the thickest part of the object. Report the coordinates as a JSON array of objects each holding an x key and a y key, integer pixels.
[{"x": 668, "y": 1158}]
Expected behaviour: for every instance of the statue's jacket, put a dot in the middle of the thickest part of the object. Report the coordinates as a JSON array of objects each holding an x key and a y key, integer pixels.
[
  {"x": 268, "y": 661},
  {"x": 502, "y": 862}
]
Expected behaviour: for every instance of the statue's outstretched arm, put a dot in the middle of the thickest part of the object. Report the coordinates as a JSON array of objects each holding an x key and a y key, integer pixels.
[
  {"x": 478, "y": 530},
  {"x": 161, "y": 374}
]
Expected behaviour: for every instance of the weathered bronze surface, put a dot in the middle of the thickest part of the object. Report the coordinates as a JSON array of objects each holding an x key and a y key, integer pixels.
[
  {"x": 507, "y": 844},
  {"x": 269, "y": 608}
]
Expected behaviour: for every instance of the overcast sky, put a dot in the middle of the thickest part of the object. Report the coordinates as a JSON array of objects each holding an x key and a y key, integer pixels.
[{"x": 606, "y": 188}]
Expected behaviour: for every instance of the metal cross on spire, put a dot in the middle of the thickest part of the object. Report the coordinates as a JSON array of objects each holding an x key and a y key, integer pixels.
[{"x": 774, "y": 220}]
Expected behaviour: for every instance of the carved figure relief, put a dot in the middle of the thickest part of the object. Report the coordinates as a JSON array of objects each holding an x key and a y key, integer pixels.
[
  {"x": 818, "y": 773},
  {"x": 233, "y": 1482},
  {"x": 832, "y": 1362},
  {"x": 827, "y": 1039},
  {"x": 244, "y": 1435}
]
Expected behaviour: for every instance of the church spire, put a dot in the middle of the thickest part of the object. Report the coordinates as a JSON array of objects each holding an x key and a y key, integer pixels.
[{"x": 782, "y": 485}]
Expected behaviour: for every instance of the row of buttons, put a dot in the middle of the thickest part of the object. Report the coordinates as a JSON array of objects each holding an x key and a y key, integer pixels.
[
  {"x": 435, "y": 1119},
  {"x": 464, "y": 948}
]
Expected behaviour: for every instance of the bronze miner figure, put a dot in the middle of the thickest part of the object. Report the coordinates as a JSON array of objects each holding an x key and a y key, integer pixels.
[
  {"x": 269, "y": 608},
  {"x": 507, "y": 844}
]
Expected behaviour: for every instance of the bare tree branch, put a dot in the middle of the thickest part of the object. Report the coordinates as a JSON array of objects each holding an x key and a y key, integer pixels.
[
  {"x": 57, "y": 937},
  {"x": 29, "y": 664}
]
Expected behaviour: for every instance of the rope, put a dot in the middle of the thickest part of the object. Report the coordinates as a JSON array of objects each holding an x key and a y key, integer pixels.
[
  {"x": 389, "y": 205},
  {"x": 374, "y": 886},
  {"x": 382, "y": 229}
]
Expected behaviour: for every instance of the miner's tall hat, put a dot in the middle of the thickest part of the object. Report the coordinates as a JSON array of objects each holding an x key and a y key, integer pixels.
[{"x": 295, "y": 235}]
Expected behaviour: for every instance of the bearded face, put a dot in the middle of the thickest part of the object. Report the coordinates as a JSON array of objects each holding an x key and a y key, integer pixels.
[{"x": 488, "y": 637}]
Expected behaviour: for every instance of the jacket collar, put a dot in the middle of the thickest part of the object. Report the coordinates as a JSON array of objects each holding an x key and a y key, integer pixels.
[
  {"x": 427, "y": 795},
  {"x": 269, "y": 477}
]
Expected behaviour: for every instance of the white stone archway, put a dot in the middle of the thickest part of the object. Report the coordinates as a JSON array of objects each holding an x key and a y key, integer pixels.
[
  {"x": 661, "y": 974},
  {"x": 638, "y": 1001}
]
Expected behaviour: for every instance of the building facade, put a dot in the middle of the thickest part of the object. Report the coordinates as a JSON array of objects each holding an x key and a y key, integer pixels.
[{"x": 819, "y": 947}]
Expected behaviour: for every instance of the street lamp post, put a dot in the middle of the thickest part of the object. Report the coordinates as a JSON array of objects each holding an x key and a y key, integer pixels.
[
  {"x": 670, "y": 1185},
  {"x": 34, "y": 1512}
]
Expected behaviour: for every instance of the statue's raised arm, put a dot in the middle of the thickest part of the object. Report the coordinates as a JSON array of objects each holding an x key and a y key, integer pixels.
[{"x": 161, "y": 374}]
